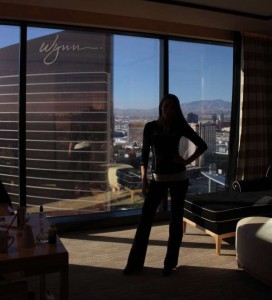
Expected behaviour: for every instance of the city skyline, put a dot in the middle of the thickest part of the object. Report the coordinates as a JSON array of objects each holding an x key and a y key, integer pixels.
[{"x": 201, "y": 108}]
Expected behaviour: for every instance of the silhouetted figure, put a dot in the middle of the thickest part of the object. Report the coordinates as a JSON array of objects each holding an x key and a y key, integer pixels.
[
  {"x": 5, "y": 202},
  {"x": 162, "y": 137},
  {"x": 4, "y": 197}
]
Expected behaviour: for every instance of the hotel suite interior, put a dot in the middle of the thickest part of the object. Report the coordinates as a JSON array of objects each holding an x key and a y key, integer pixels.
[{"x": 91, "y": 73}]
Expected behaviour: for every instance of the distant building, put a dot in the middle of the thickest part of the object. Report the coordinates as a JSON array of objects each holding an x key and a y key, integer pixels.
[
  {"x": 214, "y": 118},
  {"x": 221, "y": 117},
  {"x": 226, "y": 129},
  {"x": 222, "y": 147},
  {"x": 223, "y": 124},
  {"x": 135, "y": 131},
  {"x": 68, "y": 101},
  {"x": 218, "y": 118},
  {"x": 192, "y": 118}
]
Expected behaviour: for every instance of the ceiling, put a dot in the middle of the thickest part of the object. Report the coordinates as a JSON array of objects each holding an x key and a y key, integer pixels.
[
  {"x": 256, "y": 9},
  {"x": 176, "y": 17}
]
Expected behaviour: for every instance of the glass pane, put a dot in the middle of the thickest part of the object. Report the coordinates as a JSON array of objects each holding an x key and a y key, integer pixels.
[
  {"x": 136, "y": 98},
  {"x": 72, "y": 119},
  {"x": 201, "y": 76},
  {"x": 9, "y": 95}
]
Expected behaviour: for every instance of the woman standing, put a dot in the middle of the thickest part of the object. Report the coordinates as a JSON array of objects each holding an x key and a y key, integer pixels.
[{"x": 162, "y": 137}]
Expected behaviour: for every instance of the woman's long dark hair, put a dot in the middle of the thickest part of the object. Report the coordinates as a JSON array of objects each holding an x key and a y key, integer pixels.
[{"x": 179, "y": 118}]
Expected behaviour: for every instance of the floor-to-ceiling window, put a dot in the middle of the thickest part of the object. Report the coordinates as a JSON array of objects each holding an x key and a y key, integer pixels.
[
  {"x": 68, "y": 120},
  {"x": 88, "y": 96},
  {"x": 200, "y": 74}
]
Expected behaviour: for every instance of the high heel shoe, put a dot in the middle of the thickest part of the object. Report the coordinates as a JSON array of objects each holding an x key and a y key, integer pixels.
[
  {"x": 167, "y": 271},
  {"x": 132, "y": 270}
]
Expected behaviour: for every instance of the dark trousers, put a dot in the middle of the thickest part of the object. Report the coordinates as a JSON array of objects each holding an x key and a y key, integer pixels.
[{"x": 178, "y": 190}]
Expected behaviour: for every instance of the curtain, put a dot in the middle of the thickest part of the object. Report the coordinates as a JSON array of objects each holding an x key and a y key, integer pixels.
[
  {"x": 255, "y": 150},
  {"x": 235, "y": 112}
]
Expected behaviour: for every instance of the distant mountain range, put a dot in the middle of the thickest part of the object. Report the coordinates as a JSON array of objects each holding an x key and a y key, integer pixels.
[
  {"x": 201, "y": 107},
  {"x": 207, "y": 106}
]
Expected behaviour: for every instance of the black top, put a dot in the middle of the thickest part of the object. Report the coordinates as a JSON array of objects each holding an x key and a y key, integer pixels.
[
  {"x": 4, "y": 197},
  {"x": 164, "y": 144}
]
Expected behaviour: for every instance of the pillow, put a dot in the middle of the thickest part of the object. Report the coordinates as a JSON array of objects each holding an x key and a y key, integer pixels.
[
  {"x": 250, "y": 185},
  {"x": 269, "y": 172}
]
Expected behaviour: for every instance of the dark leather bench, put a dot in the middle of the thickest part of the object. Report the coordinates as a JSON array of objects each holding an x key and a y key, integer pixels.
[{"x": 218, "y": 213}]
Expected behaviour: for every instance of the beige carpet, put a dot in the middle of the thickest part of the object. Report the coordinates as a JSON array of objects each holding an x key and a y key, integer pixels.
[{"x": 98, "y": 257}]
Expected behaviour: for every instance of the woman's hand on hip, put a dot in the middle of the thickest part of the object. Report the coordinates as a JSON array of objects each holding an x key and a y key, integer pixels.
[
  {"x": 145, "y": 186},
  {"x": 180, "y": 160}
]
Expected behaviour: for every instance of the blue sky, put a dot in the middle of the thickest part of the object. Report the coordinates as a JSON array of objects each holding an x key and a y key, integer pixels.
[
  {"x": 136, "y": 72},
  {"x": 200, "y": 71},
  {"x": 197, "y": 71}
]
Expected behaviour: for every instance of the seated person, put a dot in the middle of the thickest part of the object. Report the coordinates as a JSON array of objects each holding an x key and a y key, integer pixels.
[{"x": 5, "y": 202}]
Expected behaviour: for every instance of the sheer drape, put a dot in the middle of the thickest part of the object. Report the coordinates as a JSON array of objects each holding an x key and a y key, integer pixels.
[{"x": 255, "y": 150}]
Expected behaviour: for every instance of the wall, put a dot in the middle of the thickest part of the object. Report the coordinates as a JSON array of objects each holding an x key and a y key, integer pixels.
[{"x": 135, "y": 15}]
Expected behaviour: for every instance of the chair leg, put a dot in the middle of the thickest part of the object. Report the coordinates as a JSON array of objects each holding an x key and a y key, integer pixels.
[{"x": 218, "y": 241}]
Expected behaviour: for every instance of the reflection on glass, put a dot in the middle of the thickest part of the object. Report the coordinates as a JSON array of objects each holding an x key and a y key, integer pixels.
[
  {"x": 69, "y": 113},
  {"x": 74, "y": 157}
]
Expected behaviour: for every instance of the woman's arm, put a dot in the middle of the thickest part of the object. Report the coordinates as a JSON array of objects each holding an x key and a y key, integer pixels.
[
  {"x": 145, "y": 183},
  {"x": 143, "y": 172},
  {"x": 145, "y": 157},
  {"x": 193, "y": 157}
]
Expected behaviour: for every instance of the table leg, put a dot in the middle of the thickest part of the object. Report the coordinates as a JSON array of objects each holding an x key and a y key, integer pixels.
[
  {"x": 42, "y": 286},
  {"x": 64, "y": 284}
]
